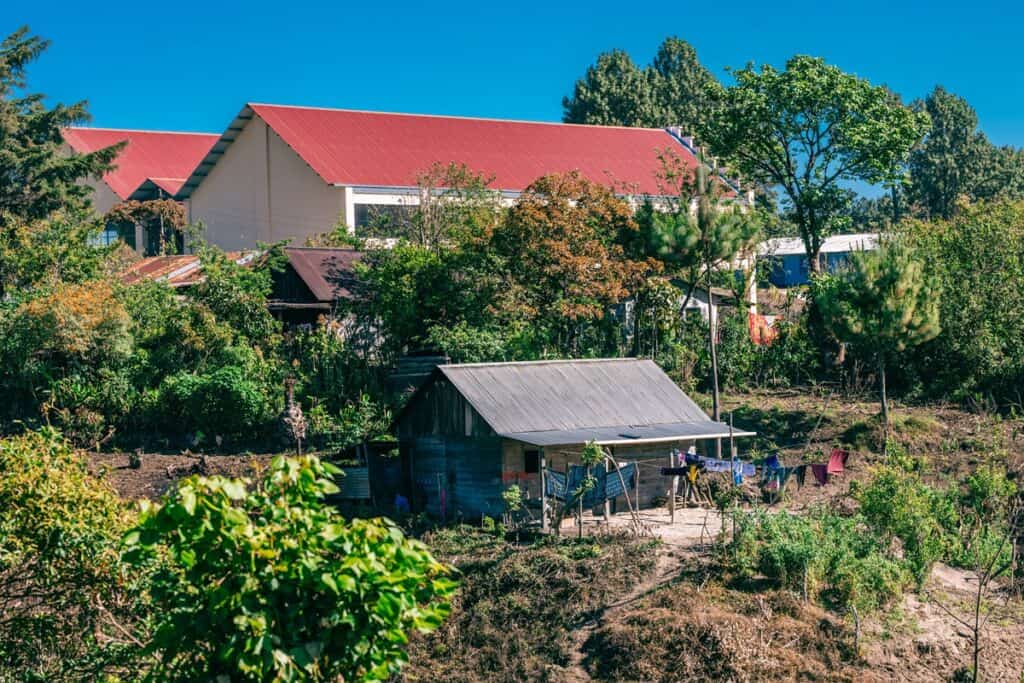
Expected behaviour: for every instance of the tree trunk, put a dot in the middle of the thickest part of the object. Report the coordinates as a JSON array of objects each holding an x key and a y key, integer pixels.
[
  {"x": 885, "y": 403},
  {"x": 712, "y": 338}
]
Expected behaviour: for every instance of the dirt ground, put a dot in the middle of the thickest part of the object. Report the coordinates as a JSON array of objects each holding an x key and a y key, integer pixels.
[{"x": 158, "y": 471}]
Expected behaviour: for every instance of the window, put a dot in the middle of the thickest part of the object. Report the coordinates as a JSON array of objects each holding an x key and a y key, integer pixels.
[
  {"x": 112, "y": 232},
  {"x": 532, "y": 464},
  {"x": 383, "y": 220}
]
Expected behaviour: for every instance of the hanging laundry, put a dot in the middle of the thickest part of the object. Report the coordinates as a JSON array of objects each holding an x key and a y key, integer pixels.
[
  {"x": 612, "y": 483},
  {"x": 801, "y": 475},
  {"x": 692, "y": 474},
  {"x": 837, "y": 461},
  {"x": 772, "y": 462},
  {"x": 741, "y": 469},
  {"x": 820, "y": 472},
  {"x": 715, "y": 465}
]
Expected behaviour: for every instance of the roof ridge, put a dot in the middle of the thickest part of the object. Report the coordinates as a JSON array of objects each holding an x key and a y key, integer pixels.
[
  {"x": 142, "y": 130},
  {"x": 453, "y": 116},
  {"x": 550, "y": 361}
]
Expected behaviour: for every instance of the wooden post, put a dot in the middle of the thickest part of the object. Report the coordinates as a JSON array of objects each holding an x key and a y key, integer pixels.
[
  {"x": 543, "y": 493},
  {"x": 672, "y": 490},
  {"x": 732, "y": 450},
  {"x": 607, "y": 503}
]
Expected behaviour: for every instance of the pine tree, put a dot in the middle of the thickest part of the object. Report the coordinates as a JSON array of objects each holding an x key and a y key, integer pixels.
[{"x": 882, "y": 304}]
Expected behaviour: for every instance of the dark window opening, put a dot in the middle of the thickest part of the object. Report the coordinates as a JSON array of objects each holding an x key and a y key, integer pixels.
[
  {"x": 383, "y": 220},
  {"x": 532, "y": 464}
]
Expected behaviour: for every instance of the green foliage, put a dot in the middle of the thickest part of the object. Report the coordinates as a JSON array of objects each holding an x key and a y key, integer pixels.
[
  {"x": 807, "y": 129},
  {"x": 897, "y": 504},
  {"x": 884, "y": 302},
  {"x": 669, "y": 92},
  {"x": 237, "y": 295},
  {"x": 61, "y": 593},
  {"x": 226, "y": 401},
  {"x": 829, "y": 557},
  {"x": 956, "y": 162},
  {"x": 978, "y": 260},
  {"x": 40, "y": 176},
  {"x": 465, "y": 344},
  {"x": 336, "y": 599},
  {"x": 358, "y": 421}
]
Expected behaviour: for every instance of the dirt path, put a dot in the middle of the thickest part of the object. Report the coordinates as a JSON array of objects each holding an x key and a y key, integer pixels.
[{"x": 666, "y": 571}]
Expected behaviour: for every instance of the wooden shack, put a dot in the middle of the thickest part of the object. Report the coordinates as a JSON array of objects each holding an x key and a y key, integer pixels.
[
  {"x": 470, "y": 431},
  {"x": 311, "y": 283}
]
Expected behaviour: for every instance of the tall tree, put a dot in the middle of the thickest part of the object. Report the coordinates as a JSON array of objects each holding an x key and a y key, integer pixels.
[
  {"x": 671, "y": 91},
  {"x": 882, "y": 304},
  {"x": 703, "y": 231},
  {"x": 807, "y": 129},
  {"x": 952, "y": 160},
  {"x": 565, "y": 269},
  {"x": 38, "y": 176}
]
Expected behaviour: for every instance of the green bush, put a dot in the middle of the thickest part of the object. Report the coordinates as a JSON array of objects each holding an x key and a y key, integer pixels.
[
  {"x": 223, "y": 402},
  {"x": 829, "y": 557},
  {"x": 272, "y": 584},
  {"x": 897, "y": 504},
  {"x": 61, "y": 590}
]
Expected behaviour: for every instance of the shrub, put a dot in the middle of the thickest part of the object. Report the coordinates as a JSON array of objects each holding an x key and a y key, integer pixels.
[
  {"x": 60, "y": 586},
  {"x": 896, "y": 504},
  {"x": 225, "y": 401},
  {"x": 820, "y": 555},
  {"x": 272, "y": 584},
  {"x": 466, "y": 344}
]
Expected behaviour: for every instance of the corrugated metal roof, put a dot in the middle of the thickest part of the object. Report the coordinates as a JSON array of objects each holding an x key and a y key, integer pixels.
[
  {"x": 166, "y": 159},
  {"x": 327, "y": 272},
  {"x": 178, "y": 270},
  {"x": 628, "y": 434},
  {"x": 550, "y": 396},
  {"x": 375, "y": 149},
  {"x": 790, "y": 246}
]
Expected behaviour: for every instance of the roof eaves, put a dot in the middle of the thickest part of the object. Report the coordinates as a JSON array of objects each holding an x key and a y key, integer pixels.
[{"x": 218, "y": 150}]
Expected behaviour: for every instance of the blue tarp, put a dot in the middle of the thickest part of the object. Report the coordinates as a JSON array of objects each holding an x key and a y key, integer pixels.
[{"x": 606, "y": 485}]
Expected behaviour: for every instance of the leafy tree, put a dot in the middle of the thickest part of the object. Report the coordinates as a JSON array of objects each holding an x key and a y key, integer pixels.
[
  {"x": 455, "y": 205},
  {"x": 60, "y": 349},
  {"x": 882, "y": 304},
  {"x": 978, "y": 260},
  {"x": 672, "y": 91},
  {"x": 272, "y": 584},
  {"x": 63, "y": 604},
  {"x": 47, "y": 251},
  {"x": 807, "y": 129},
  {"x": 564, "y": 268},
  {"x": 37, "y": 175}
]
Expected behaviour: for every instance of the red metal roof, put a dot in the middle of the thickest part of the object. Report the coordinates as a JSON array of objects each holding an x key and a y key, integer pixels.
[
  {"x": 167, "y": 159},
  {"x": 368, "y": 148}
]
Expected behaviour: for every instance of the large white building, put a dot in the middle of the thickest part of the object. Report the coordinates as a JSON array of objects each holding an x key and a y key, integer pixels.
[{"x": 289, "y": 173}]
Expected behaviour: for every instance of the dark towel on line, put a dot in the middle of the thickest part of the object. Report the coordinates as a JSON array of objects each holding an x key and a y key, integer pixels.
[
  {"x": 820, "y": 472},
  {"x": 801, "y": 475}
]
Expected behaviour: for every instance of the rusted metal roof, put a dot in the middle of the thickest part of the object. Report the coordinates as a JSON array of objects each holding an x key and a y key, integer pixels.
[
  {"x": 574, "y": 401},
  {"x": 327, "y": 272},
  {"x": 180, "y": 270},
  {"x": 163, "y": 158}
]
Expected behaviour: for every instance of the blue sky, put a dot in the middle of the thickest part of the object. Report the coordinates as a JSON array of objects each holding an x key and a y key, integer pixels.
[{"x": 191, "y": 66}]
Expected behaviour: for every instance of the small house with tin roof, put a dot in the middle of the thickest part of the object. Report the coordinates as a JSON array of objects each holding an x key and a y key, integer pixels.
[{"x": 471, "y": 431}]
